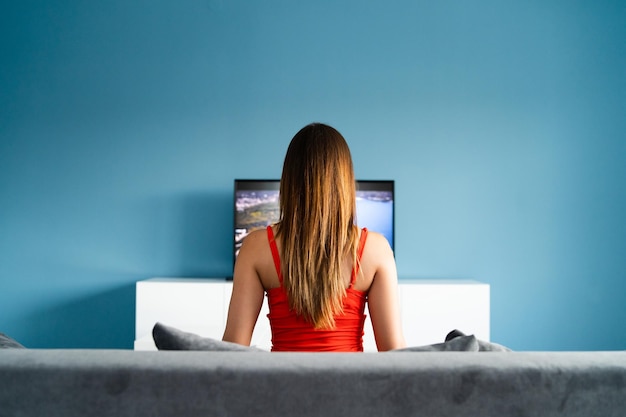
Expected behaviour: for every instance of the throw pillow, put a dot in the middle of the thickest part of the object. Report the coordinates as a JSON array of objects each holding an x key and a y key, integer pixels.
[
  {"x": 457, "y": 341},
  {"x": 458, "y": 344},
  {"x": 7, "y": 343},
  {"x": 170, "y": 338}
]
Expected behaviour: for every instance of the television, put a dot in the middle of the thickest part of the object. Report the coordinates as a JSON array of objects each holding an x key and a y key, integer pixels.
[{"x": 256, "y": 206}]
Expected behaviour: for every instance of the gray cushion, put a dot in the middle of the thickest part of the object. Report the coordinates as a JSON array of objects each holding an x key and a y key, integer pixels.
[
  {"x": 456, "y": 341},
  {"x": 7, "y": 343},
  {"x": 170, "y": 338}
]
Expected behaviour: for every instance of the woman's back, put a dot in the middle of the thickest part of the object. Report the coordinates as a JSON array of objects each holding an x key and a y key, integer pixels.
[
  {"x": 374, "y": 284},
  {"x": 291, "y": 332}
]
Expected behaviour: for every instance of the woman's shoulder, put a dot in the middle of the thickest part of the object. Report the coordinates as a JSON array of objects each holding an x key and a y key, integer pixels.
[
  {"x": 254, "y": 249},
  {"x": 377, "y": 240},
  {"x": 377, "y": 249},
  {"x": 256, "y": 237}
]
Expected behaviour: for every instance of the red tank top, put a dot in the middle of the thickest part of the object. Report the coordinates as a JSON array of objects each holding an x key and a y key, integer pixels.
[{"x": 291, "y": 332}]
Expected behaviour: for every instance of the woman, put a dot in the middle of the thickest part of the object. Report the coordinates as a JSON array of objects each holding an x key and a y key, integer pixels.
[{"x": 316, "y": 266}]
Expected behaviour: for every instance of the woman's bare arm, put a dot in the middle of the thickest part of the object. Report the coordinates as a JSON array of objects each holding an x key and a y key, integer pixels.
[
  {"x": 247, "y": 296},
  {"x": 383, "y": 300}
]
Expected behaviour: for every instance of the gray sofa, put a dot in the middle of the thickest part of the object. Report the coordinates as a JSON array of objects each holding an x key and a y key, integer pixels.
[{"x": 65, "y": 382}]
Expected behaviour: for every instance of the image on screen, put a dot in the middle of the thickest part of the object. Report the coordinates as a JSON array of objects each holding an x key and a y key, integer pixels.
[{"x": 257, "y": 206}]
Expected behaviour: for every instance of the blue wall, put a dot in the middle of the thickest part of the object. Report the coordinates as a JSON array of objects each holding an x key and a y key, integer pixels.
[{"x": 123, "y": 125}]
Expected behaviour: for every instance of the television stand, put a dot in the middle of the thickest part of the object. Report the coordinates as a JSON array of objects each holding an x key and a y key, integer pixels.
[{"x": 429, "y": 310}]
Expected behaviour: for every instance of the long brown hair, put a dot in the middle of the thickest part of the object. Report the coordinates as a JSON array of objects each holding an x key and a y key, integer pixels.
[{"x": 317, "y": 222}]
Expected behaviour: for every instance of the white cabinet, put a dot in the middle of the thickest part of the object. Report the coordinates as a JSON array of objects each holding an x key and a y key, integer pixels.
[
  {"x": 429, "y": 310},
  {"x": 196, "y": 305}
]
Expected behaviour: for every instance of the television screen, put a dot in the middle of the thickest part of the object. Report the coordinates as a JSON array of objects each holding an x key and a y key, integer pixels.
[{"x": 256, "y": 207}]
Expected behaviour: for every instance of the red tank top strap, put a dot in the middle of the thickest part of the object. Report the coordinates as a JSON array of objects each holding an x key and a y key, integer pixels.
[
  {"x": 275, "y": 255},
  {"x": 359, "y": 253}
]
